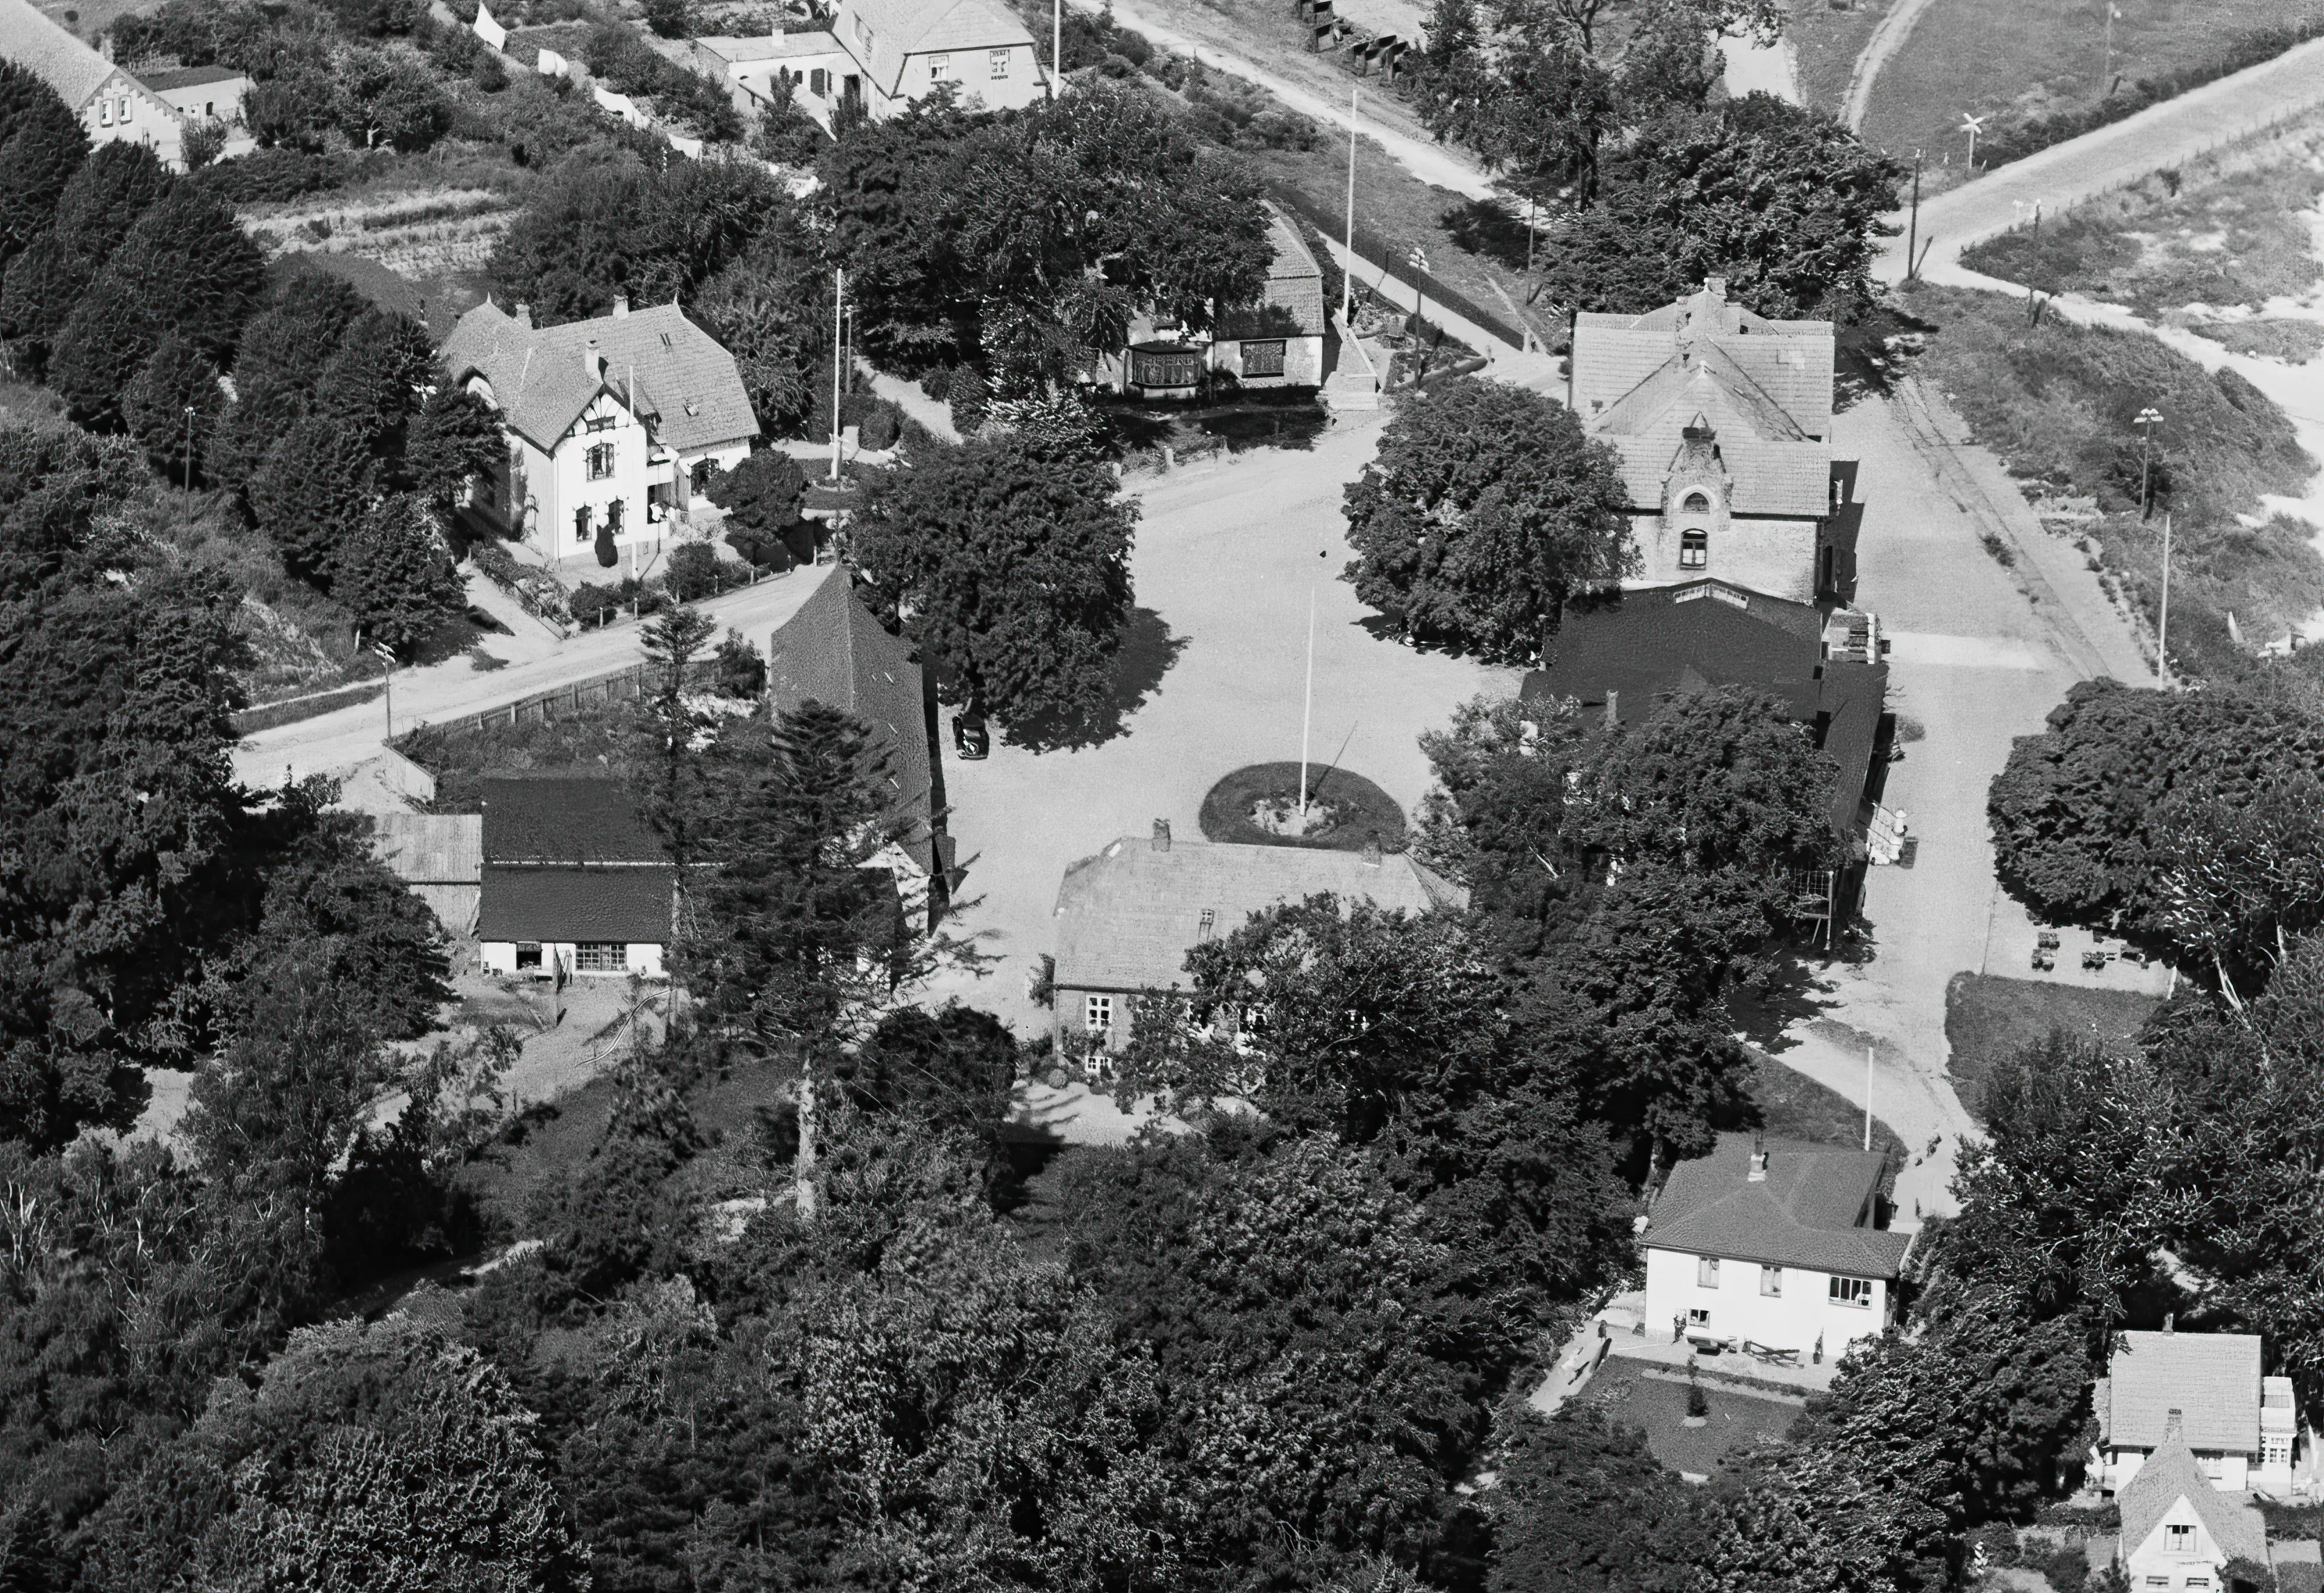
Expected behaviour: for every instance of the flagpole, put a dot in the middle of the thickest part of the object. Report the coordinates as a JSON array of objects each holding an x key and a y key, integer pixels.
[
  {"x": 1307, "y": 714},
  {"x": 1348, "y": 277}
]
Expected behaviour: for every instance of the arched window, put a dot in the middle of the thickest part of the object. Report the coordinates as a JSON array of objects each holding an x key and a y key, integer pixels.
[
  {"x": 1697, "y": 504},
  {"x": 1693, "y": 550}
]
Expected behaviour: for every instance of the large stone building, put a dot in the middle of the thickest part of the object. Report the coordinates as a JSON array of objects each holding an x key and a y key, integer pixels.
[{"x": 1722, "y": 419}]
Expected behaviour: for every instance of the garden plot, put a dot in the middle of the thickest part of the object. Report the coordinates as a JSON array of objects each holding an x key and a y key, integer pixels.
[{"x": 419, "y": 234}]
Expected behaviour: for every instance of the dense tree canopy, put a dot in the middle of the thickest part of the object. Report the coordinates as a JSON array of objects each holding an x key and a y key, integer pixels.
[
  {"x": 1484, "y": 508},
  {"x": 1010, "y": 568},
  {"x": 42, "y": 144}
]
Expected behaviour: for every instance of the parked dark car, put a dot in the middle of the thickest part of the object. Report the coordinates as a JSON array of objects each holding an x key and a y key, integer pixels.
[{"x": 970, "y": 738}]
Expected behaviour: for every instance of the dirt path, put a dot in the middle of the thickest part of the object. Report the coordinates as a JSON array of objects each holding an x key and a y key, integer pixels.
[{"x": 1886, "y": 40}]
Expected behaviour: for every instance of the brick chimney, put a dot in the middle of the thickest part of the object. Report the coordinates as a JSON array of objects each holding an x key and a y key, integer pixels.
[
  {"x": 1758, "y": 1173},
  {"x": 592, "y": 361},
  {"x": 1715, "y": 289},
  {"x": 524, "y": 316},
  {"x": 621, "y": 304},
  {"x": 1161, "y": 836},
  {"x": 2174, "y": 1426}
]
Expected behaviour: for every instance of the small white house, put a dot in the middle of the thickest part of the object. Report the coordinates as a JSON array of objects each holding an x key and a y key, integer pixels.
[
  {"x": 1276, "y": 342},
  {"x": 906, "y": 50},
  {"x": 573, "y": 883},
  {"x": 612, "y": 424},
  {"x": 807, "y": 70},
  {"x": 2180, "y": 1533},
  {"x": 115, "y": 105},
  {"x": 2241, "y": 1427},
  {"x": 1773, "y": 1244}
]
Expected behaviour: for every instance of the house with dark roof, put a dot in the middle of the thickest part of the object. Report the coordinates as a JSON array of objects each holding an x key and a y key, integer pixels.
[
  {"x": 2178, "y": 1531},
  {"x": 1773, "y": 1243},
  {"x": 1275, "y": 341},
  {"x": 613, "y": 425},
  {"x": 1722, "y": 420},
  {"x": 1127, "y": 917},
  {"x": 572, "y": 881},
  {"x": 833, "y": 651},
  {"x": 2240, "y": 1426},
  {"x": 1618, "y": 653},
  {"x": 114, "y": 104}
]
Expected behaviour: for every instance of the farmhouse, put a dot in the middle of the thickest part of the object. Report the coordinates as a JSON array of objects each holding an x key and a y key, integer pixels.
[
  {"x": 1773, "y": 1244},
  {"x": 613, "y": 425},
  {"x": 573, "y": 883},
  {"x": 1127, "y": 917},
  {"x": 2240, "y": 1427},
  {"x": 1722, "y": 420},
  {"x": 115, "y": 105}
]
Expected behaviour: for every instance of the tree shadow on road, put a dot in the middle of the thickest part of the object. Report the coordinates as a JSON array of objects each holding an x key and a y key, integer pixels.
[{"x": 1148, "y": 652}]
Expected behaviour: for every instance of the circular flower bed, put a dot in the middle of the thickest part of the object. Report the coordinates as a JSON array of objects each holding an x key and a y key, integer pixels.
[{"x": 1259, "y": 804}]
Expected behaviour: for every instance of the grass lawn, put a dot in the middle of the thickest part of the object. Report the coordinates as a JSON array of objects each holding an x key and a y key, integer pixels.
[
  {"x": 2180, "y": 238},
  {"x": 1826, "y": 44},
  {"x": 1345, "y": 810},
  {"x": 1657, "y": 1406},
  {"x": 2056, "y": 402},
  {"x": 2009, "y": 60},
  {"x": 1796, "y": 1106},
  {"x": 1989, "y": 1019}
]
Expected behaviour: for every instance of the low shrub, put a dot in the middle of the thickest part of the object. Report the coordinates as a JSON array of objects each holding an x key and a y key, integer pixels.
[
  {"x": 882, "y": 424},
  {"x": 1357, "y": 813},
  {"x": 694, "y": 572},
  {"x": 271, "y": 176}
]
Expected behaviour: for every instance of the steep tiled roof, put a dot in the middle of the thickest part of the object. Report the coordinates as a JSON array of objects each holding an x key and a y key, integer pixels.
[
  {"x": 2212, "y": 1379},
  {"x": 1806, "y": 1212},
  {"x": 564, "y": 819},
  {"x": 2170, "y": 1475},
  {"x": 631, "y": 904},
  {"x": 1126, "y": 917},
  {"x": 1642, "y": 644},
  {"x": 430, "y": 847},
  {"x": 1763, "y": 387},
  {"x": 29, "y": 39},
  {"x": 833, "y": 651},
  {"x": 901, "y": 27},
  {"x": 686, "y": 386},
  {"x": 1293, "y": 303}
]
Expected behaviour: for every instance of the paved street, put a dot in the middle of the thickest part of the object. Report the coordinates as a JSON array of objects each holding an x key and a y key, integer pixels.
[
  {"x": 2160, "y": 136},
  {"x": 344, "y": 737},
  {"x": 1227, "y": 556},
  {"x": 1976, "y": 664}
]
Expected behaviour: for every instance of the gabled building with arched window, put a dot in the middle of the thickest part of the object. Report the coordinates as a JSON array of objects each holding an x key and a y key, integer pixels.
[{"x": 1722, "y": 420}]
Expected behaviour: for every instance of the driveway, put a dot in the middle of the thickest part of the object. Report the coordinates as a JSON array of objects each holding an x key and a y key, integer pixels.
[
  {"x": 1977, "y": 662},
  {"x": 1229, "y": 556},
  {"x": 338, "y": 741}
]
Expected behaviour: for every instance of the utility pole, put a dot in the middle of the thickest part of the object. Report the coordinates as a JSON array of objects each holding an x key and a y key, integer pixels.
[
  {"x": 1057, "y": 44},
  {"x": 1867, "y": 1097},
  {"x": 1969, "y": 125},
  {"x": 189, "y": 460},
  {"x": 838, "y": 360},
  {"x": 2146, "y": 421},
  {"x": 1348, "y": 277},
  {"x": 387, "y": 663},
  {"x": 2162, "y": 625},
  {"x": 1912, "y": 234},
  {"x": 1307, "y": 713}
]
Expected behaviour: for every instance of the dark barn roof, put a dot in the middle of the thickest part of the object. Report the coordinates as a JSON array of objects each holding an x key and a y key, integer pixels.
[
  {"x": 565, "y": 819},
  {"x": 576, "y": 904}
]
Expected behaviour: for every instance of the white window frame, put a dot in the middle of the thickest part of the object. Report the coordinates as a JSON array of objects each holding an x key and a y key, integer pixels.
[
  {"x": 2178, "y": 1539},
  {"x": 104, "y": 110},
  {"x": 1706, "y": 1272},
  {"x": 1695, "y": 555},
  {"x": 996, "y": 64},
  {"x": 123, "y": 115},
  {"x": 939, "y": 68},
  {"x": 583, "y": 524},
  {"x": 1771, "y": 1282},
  {"x": 601, "y": 956},
  {"x": 1855, "y": 1292},
  {"x": 1097, "y": 1014}
]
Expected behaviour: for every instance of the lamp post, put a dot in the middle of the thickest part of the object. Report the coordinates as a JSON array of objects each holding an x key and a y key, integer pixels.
[
  {"x": 1348, "y": 276},
  {"x": 2146, "y": 421},
  {"x": 1419, "y": 259},
  {"x": 190, "y": 461},
  {"x": 387, "y": 656},
  {"x": 838, "y": 359},
  {"x": 1971, "y": 125},
  {"x": 1057, "y": 44}
]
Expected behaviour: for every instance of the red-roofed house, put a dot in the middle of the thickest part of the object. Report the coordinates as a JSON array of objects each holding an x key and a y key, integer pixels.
[
  {"x": 2240, "y": 1426},
  {"x": 613, "y": 425},
  {"x": 1722, "y": 420},
  {"x": 1775, "y": 1243}
]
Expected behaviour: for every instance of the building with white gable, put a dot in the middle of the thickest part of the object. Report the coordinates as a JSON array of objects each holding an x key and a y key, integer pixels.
[{"x": 114, "y": 104}]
